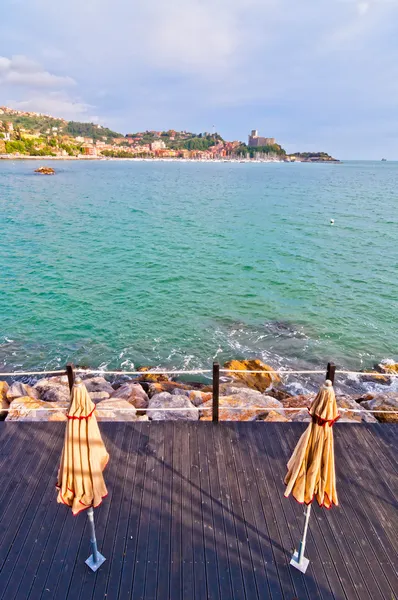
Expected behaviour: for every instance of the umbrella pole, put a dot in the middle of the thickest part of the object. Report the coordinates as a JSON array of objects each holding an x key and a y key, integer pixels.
[
  {"x": 96, "y": 559},
  {"x": 299, "y": 561}
]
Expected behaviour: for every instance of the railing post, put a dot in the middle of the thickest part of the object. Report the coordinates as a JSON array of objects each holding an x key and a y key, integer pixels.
[
  {"x": 330, "y": 371},
  {"x": 216, "y": 390},
  {"x": 71, "y": 375}
]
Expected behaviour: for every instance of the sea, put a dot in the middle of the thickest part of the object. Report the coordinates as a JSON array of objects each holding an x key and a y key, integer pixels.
[{"x": 119, "y": 264}]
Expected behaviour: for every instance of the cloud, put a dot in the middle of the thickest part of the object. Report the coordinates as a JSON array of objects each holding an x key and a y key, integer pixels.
[
  {"x": 57, "y": 104},
  {"x": 22, "y": 71}
]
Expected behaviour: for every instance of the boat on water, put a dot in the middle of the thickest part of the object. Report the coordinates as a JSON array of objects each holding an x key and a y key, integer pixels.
[{"x": 383, "y": 160}]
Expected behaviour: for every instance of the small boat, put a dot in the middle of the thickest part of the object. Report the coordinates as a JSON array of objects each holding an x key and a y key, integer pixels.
[{"x": 383, "y": 160}]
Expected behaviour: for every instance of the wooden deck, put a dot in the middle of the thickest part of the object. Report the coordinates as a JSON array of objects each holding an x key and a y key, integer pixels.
[{"x": 196, "y": 511}]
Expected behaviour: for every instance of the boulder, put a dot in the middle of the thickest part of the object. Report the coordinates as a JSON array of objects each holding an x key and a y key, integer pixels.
[
  {"x": 27, "y": 408},
  {"x": 197, "y": 398},
  {"x": 387, "y": 366},
  {"x": 45, "y": 171},
  {"x": 347, "y": 415},
  {"x": 152, "y": 377},
  {"x": 374, "y": 377},
  {"x": 98, "y": 384},
  {"x": 262, "y": 382},
  {"x": 98, "y": 396},
  {"x": 53, "y": 390},
  {"x": 383, "y": 402},
  {"x": 241, "y": 407},
  {"x": 301, "y": 416},
  {"x": 133, "y": 393},
  {"x": 166, "y": 386},
  {"x": 275, "y": 417},
  {"x": 4, "y": 403},
  {"x": 115, "y": 409},
  {"x": 18, "y": 389},
  {"x": 168, "y": 401}
]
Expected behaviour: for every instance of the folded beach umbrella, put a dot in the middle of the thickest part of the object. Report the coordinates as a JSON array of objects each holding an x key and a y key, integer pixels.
[
  {"x": 80, "y": 480},
  {"x": 311, "y": 470}
]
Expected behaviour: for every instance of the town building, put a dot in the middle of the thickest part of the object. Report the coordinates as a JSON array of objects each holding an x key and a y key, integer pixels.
[
  {"x": 158, "y": 145},
  {"x": 255, "y": 140}
]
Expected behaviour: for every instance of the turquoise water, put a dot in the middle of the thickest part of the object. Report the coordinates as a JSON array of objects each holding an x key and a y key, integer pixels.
[{"x": 120, "y": 264}]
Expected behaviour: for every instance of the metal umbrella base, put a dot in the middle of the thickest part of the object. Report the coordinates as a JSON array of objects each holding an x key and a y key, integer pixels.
[
  {"x": 299, "y": 561},
  {"x": 96, "y": 559}
]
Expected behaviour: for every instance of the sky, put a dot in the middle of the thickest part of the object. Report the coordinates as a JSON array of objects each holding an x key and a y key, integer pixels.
[{"x": 318, "y": 75}]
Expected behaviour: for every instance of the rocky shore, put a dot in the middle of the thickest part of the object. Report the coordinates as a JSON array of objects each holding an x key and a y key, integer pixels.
[{"x": 243, "y": 397}]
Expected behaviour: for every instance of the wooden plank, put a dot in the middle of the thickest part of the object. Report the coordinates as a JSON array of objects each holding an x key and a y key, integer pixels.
[
  {"x": 387, "y": 447},
  {"x": 283, "y": 523},
  {"x": 235, "y": 563},
  {"x": 365, "y": 522},
  {"x": 25, "y": 552},
  {"x": 23, "y": 501},
  {"x": 187, "y": 561},
  {"x": 153, "y": 545},
  {"x": 18, "y": 458},
  {"x": 250, "y": 493},
  {"x": 218, "y": 581},
  {"x": 117, "y": 527},
  {"x": 150, "y": 487},
  {"x": 166, "y": 493},
  {"x": 230, "y": 438},
  {"x": 114, "y": 555},
  {"x": 200, "y": 505},
  {"x": 175, "y": 591},
  {"x": 81, "y": 571},
  {"x": 245, "y": 477},
  {"x": 270, "y": 511},
  {"x": 113, "y": 434}
]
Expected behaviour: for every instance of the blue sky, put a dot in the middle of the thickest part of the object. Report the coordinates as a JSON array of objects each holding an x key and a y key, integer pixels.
[{"x": 315, "y": 74}]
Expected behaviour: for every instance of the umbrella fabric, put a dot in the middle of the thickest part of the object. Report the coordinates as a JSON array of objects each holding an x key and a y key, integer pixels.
[
  {"x": 311, "y": 470},
  {"x": 84, "y": 456}
]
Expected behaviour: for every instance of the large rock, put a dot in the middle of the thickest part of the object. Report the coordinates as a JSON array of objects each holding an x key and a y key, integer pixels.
[
  {"x": 387, "y": 366},
  {"x": 383, "y": 402},
  {"x": 242, "y": 407},
  {"x": 168, "y": 401},
  {"x": 98, "y": 396},
  {"x": 98, "y": 384},
  {"x": 258, "y": 381},
  {"x": 18, "y": 389},
  {"x": 374, "y": 377},
  {"x": 300, "y": 416},
  {"x": 133, "y": 393},
  {"x": 53, "y": 390},
  {"x": 167, "y": 386},
  {"x": 4, "y": 403},
  {"x": 153, "y": 377},
  {"x": 115, "y": 409},
  {"x": 31, "y": 409},
  {"x": 275, "y": 417},
  {"x": 347, "y": 415}
]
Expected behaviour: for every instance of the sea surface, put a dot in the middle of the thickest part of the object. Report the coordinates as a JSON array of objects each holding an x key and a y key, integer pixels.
[{"x": 119, "y": 264}]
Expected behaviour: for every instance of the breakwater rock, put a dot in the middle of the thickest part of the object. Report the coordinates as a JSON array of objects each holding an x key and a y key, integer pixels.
[{"x": 243, "y": 397}]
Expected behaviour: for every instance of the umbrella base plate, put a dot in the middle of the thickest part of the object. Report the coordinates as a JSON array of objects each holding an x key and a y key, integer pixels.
[
  {"x": 95, "y": 565},
  {"x": 301, "y": 566}
]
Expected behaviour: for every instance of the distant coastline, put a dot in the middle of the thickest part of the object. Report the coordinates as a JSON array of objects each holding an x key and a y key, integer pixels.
[{"x": 161, "y": 159}]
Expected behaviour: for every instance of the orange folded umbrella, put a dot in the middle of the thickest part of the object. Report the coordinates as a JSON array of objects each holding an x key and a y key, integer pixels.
[
  {"x": 84, "y": 457},
  {"x": 311, "y": 469}
]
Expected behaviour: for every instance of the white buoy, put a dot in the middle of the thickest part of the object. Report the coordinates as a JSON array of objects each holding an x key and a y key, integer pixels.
[{"x": 332, "y": 221}]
